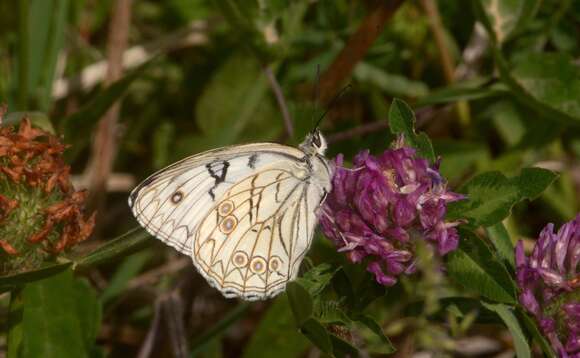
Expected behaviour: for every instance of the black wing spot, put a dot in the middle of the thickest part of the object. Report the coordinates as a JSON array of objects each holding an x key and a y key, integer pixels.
[
  {"x": 218, "y": 178},
  {"x": 177, "y": 197},
  {"x": 252, "y": 161}
]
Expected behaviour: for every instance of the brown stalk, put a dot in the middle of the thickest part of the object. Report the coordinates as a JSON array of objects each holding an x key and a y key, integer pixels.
[
  {"x": 105, "y": 143},
  {"x": 436, "y": 26},
  {"x": 356, "y": 47}
]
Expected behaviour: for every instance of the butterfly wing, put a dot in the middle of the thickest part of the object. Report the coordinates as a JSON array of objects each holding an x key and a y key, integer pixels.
[
  {"x": 245, "y": 214},
  {"x": 253, "y": 241}
]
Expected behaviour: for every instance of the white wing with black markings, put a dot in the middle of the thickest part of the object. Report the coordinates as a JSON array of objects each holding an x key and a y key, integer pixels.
[{"x": 246, "y": 214}]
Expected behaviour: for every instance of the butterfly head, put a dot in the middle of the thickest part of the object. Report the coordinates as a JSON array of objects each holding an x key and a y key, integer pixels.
[{"x": 314, "y": 143}]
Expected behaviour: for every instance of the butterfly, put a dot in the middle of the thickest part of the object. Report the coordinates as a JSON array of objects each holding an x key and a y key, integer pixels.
[{"x": 246, "y": 214}]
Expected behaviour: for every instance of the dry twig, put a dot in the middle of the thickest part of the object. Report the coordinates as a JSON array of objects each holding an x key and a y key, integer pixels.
[
  {"x": 436, "y": 26},
  {"x": 104, "y": 146},
  {"x": 281, "y": 101},
  {"x": 356, "y": 47},
  {"x": 192, "y": 35}
]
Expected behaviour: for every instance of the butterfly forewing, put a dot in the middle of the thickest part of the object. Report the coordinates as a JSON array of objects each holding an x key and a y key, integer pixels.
[{"x": 245, "y": 214}]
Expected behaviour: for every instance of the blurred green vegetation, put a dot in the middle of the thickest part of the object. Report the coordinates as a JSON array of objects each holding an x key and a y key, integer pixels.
[{"x": 196, "y": 77}]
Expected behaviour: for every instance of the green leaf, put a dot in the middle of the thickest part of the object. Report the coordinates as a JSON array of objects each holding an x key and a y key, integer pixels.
[
  {"x": 474, "y": 266},
  {"x": 88, "y": 311},
  {"x": 77, "y": 127},
  {"x": 52, "y": 45},
  {"x": 34, "y": 275},
  {"x": 508, "y": 119},
  {"x": 317, "y": 278},
  {"x": 510, "y": 320},
  {"x": 393, "y": 84},
  {"x": 500, "y": 238},
  {"x": 367, "y": 291},
  {"x": 402, "y": 121},
  {"x": 15, "y": 334},
  {"x": 548, "y": 83},
  {"x": 60, "y": 317},
  {"x": 462, "y": 92},
  {"x": 460, "y": 306},
  {"x": 130, "y": 267},
  {"x": 317, "y": 334},
  {"x": 41, "y": 36},
  {"x": 121, "y": 246},
  {"x": 552, "y": 80},
  {"x": 235, "y": 102},
  {"x": 508, "y": 17},
  {"x": 343, "y": 287},
  {"x": 491, "y": 195},
  {"x": 300, "y": 302},
  {"x": 381, "y": 344},
  {"x": 276, "y": 334},
  {"x": 24, "y": 67},
  {"x": 330, "y": 311},
  {"x": 342, "y": 348}
]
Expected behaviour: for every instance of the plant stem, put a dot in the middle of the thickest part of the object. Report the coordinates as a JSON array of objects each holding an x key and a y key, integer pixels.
[
  {"x": 104, "y": 146},
  {"x": 288, "y": 124}
]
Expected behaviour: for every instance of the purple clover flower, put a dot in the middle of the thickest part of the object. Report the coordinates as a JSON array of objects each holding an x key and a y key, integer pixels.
[
  {"x": 377, "y": 209},
  {"x": 549, "y": 281}
]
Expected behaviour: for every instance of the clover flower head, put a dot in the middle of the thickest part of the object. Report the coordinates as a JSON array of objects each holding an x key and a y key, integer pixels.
[
  {"x": 379, "y": 207},
  {"x": 41, "y": 214},
  {"x": 549, "y": 282}
]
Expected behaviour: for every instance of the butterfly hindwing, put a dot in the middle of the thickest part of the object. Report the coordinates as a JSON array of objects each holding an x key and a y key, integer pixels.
[{"x": 254, "y": 239}]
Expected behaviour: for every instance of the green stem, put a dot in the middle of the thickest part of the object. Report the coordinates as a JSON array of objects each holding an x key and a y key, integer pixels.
[{"x": 124, "y": 245}]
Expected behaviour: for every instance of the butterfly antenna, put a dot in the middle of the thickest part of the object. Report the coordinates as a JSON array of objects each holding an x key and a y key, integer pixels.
[
  {"x": 315, "y": 94},
  {"x": 332, "y": 103}
]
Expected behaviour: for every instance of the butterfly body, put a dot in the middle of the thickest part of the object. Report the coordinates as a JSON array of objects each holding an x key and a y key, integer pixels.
[{"x": 245, "y": 214}]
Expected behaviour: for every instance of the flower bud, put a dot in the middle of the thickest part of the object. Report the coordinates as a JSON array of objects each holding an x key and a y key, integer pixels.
[{"x": 40, "y": 213}]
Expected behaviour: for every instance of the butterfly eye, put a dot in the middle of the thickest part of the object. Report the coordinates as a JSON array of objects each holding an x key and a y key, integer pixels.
[
  {"x": 316, "y": 139},
  {"x": 258, "y": 265},
  {"x": 240, "y": 259},
  {"x": 228, "y": 224},
  {"x": 225, "y": 208},
  {"x": 176, "y": 197}
]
